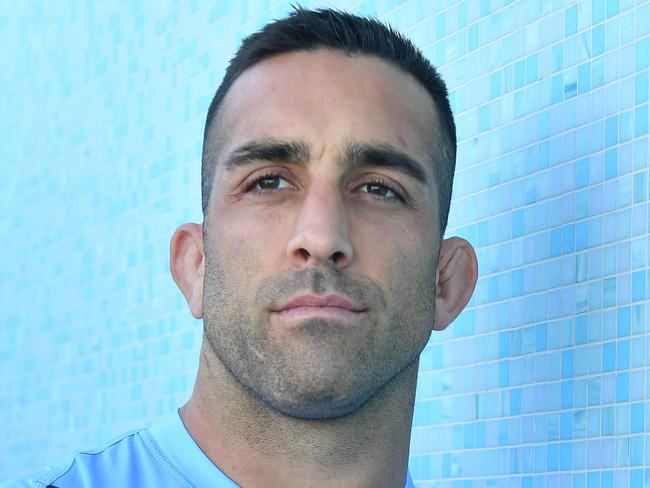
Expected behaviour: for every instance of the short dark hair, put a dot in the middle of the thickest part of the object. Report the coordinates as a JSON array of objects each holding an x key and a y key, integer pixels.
[{"x": 307, "y": 30}]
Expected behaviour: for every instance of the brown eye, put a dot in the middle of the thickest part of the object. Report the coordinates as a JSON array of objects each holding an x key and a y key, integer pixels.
[
  {"x": 268, "y": 183},
  {"x": 379, "y": 189}
]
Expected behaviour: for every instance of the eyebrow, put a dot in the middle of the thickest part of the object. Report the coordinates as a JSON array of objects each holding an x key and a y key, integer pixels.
[
  {"x": 384, "y": 156},
  {"x": 268, "y": 150},
  {"x": 355, "y": 155}
]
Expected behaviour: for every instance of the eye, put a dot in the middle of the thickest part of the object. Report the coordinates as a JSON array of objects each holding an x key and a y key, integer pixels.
[
  {"x": 267, "y": 183},
  {"x": 379, "y": 189}
]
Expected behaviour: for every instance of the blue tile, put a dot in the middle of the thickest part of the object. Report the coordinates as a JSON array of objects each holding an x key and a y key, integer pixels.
[
  {"x": 623, "y": 355},
  {"x": 504, "y": 374},
  {"x": 462, "y": 15},
  {"x": 580, "y": 392},
  {"x": 622, "y": 387},
  {"x": 579, "y": 480},
  {"x": 520, "y": 73},
  {"x": 568, "y": 239},
  {"x": 623, "y": 322},
  {"x": 579, "y": 455},
  {"x": 584, "y": 78},
  {"x": 567, "y": 364},
  {"x": 597, "y": 140},
  {"x": 641, "y": 85},
  {"x": 639, "y": 286},
  {"x": 612, "y": 8},
  {"x": 623, "y": 232},
  {"x": 609, "y": 357},
  {"x": 597, "y": 75},
  {"x": 541, "y": 337},
  {"x": 593, "y": 479},
  {"x": 479, "y": 434},
  {"x": 581, "y": 235},
  {"x": 637, "y": 352},
  {"x": 582, "y": 210},
  {"x": 566, "y": 425},
  {"x": 642, "y": 17},
  {"x": 642, "y": 49},
  {"x": 607, "y": 479},
  {"x": 611, "y": 227},
  {"x": 636, "y": 451},
  {"x": 570, "y": 85},
  {"x": 609, "y": 324},
  {"x": 531, "y": 69},
  {"x": 468, "y": 436},
  {"x": 625, "y": 126},
  {"x": 593, "y": 418},
  {"x": 595, "y": 225},
  {"x": 640, "y": 187},
  {"x": 557, "y": 89},
  {"x": 637, "y": 417},
  {"x": 564, "y": 454},
  {"x": 641, "y": 121},
  {"x": 472, "y": 37},
  {"x": 571, "y": 20},
  {"x": 609, "y": 292},
  {"x": 581, "y": 329},
  {"x": 636, "y": 477},
  {"x": 552, "y": 426},
  {"x": 611, "y": 132},
  {"x": 598, "y": 40},
  {"x": 607, "y": 421},
  {"x": 495, "y": 84},
  {"x": 484, "y": 118},
  {"x": 485, "y": 7},
  {"x": 567, "y": 394}
]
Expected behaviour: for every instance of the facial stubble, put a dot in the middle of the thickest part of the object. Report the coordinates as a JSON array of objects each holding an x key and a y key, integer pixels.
[{"x": 318, "y": 369}]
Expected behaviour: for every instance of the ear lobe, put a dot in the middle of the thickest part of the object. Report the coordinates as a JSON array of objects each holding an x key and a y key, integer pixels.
[
  {"x": 187, "y": 265},
  {"x": 456, "y": 277}
]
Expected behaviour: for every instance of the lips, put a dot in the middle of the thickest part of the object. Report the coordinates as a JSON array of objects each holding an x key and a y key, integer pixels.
[{"x": 315, "y": 301}]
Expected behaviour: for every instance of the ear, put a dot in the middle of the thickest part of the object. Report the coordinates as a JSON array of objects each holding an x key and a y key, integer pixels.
[
  {"x": 187, "y": 264},
  {"x": 456, "y": 277}
]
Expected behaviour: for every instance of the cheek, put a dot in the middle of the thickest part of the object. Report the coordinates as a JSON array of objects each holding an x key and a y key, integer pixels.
[
  {"x": 403, "y": 255},
  {"x": 412, "y": 298},
  {"x": 248, "y": 236},
  {"x": 382, "y": 242}
]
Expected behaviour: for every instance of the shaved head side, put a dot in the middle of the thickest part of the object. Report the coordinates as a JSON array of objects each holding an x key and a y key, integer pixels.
[{"x": 310, "y": 30}]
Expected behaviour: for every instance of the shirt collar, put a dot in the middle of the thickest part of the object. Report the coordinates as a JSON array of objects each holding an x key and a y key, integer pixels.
[{"x": 180, "y": 448}]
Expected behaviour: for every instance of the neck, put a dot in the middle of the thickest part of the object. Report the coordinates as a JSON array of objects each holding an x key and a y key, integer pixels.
[{"x": 257, "y": 446}]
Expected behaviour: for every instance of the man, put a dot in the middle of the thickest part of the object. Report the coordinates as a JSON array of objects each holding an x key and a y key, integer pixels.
[{"x": 319, "y": 270}]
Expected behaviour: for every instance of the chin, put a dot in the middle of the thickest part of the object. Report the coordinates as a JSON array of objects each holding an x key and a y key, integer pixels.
[
  {"x": 317, "y": 409},
  {"x": 309, "y": 401}
]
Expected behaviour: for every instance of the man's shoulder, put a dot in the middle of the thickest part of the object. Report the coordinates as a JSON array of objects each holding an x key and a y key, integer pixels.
[{"x": 131, "y": 459}]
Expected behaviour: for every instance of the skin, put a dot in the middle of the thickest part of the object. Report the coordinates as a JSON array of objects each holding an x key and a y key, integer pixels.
[{"x": 322, "y": 400}]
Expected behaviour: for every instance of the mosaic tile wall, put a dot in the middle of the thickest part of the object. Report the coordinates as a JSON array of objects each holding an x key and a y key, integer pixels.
[{"x": 542, "y": 380}]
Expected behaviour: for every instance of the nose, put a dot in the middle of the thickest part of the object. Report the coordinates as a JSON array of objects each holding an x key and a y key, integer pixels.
[{"x": 321, "y": 235}]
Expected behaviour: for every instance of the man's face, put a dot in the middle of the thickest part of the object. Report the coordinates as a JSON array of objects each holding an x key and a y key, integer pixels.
[{"x": 313, "y": 196}]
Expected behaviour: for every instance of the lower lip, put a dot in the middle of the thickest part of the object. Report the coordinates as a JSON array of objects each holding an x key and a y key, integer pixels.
[{"x": 298, "y": 313}]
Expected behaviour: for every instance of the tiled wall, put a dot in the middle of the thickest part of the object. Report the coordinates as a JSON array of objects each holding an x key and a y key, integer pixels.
[{"x": 541, "y": 381}]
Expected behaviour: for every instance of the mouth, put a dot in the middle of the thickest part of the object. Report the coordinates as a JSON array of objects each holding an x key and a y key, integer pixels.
[
  {"x": 300, "y": 313},
  {"x": 333, "y": 307}
]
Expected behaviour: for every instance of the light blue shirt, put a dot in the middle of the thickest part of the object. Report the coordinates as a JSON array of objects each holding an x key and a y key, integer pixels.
[{"x": 161, "y": 456}]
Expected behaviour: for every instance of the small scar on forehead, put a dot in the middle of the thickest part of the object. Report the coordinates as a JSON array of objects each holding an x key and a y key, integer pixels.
[{"x": 402, "y": 140}]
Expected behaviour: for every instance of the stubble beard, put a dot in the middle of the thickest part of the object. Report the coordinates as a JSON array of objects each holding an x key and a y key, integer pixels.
[{"x": 326, "y": 374}]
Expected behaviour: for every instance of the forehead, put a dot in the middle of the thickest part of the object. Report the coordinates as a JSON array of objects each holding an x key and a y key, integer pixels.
[{"x": 325, "y": 97}]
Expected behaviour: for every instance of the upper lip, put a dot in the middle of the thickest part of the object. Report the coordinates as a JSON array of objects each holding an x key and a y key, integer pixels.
[{"x": 320, "y": 301}]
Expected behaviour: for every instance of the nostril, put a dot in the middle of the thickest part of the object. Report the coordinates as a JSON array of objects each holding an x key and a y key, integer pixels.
[
  {"x": 337, "y": 256},
  {"x": 304, "y": 253}
]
